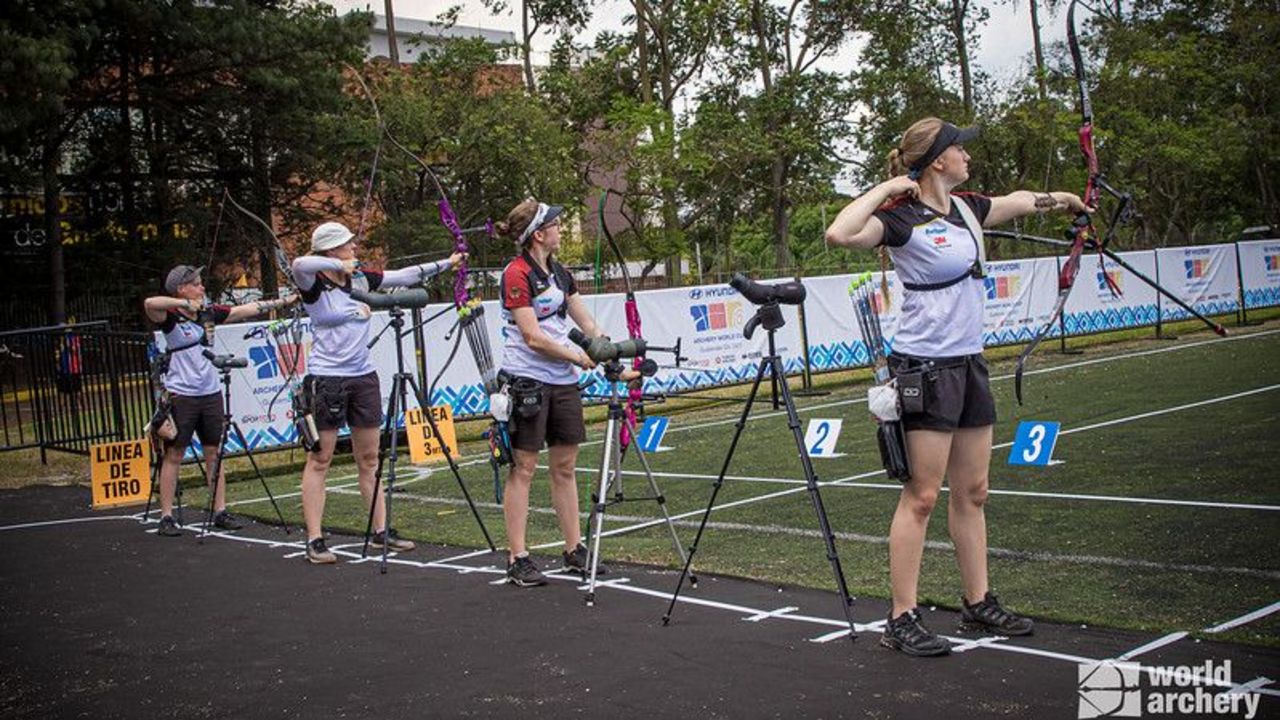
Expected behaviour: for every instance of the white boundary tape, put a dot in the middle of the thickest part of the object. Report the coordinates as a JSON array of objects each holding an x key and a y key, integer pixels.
[{"x": 623, "y": 584}]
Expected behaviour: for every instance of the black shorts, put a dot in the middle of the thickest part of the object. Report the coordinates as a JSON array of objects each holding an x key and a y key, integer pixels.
[
  {"x": 558, "y": 422},
  {"x": 352, "y": 401},
  {"x": 956, "y": 392},
  {"x": 199, "y": 415}
]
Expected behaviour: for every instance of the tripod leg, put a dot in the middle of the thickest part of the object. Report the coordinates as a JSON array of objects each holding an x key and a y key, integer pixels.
[
  {"x": 156, "y": 458},
  {"x": 811, "y": 480},
  {"x": 453, "y": 465},
  {"x": 249, "y": 453},
  {"x": 715, "y": 488},
  {"x": 389, "y": 430},
  {"x": 662, "y": 505},
  {"x": 595, "y": 523},
  {"x": 214, "y": 476}
]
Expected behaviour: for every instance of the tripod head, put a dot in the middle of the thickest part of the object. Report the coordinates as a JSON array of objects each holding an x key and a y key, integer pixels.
[
  {"x": 225, "y": 363},
  {"x": 770, "y": 298}
]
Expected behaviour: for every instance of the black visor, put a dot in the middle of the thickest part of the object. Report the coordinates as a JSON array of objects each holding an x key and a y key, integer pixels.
[{"x": 947, "y": 136}]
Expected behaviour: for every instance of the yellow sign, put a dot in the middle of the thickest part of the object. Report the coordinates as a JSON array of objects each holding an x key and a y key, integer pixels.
[
  {"x": 424, "y": 447},
  {"x": 120, "y": 473}
]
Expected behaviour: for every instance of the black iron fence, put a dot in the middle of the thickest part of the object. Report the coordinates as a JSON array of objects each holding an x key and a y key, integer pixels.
[{"x": 67, "y": 387}]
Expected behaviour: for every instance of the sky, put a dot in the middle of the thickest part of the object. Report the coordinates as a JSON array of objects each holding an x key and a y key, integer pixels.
[
  {"x": 1003, "y": 45},
  {"x": 1005, "y": 42}
]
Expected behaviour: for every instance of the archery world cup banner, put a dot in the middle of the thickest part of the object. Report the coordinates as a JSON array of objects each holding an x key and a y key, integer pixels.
[
  {"x": 1107, "y": 296},
  {"x": 252, "y": 388},
  {"x": 1260, "y": 273},
  {"x": 708, "y": 321},
  {"x": 1203, "y": 276}
]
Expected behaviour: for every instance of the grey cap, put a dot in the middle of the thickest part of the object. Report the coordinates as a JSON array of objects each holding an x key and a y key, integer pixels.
[{"x": 181, "y": 275}]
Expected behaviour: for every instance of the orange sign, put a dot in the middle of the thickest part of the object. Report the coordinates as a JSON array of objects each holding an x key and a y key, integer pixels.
[
  {"x": 120, "y": 473},
  {"x": 424, "y": 446}
]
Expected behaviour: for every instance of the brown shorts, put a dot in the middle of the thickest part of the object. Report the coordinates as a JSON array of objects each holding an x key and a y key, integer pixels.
[
  {"x": 558, "y": 422},
  {"x": 352, "y": 401},
  {"x": 956, "y": 392},
  {"x": 200, "y": 415}
]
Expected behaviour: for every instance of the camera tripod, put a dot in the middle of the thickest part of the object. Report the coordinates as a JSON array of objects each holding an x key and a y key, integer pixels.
[
  {"x": 397, "y": 403},
  {"x": 224, "y": 364},
  {"x": 611, "y": 475},
  {"x": 770, "y": 316}
]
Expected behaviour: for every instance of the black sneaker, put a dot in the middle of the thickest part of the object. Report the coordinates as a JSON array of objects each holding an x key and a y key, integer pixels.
[
  {"x": 908, "y": 634},
  {"x": 318, "y": 553},
  {"x": 579, "y": 561},
  {"x": 226, "y": 521},
  {"x": 524, "y": 573},
  {"x": 989, "y": 616},
  {"x": 168, "y": 527},
  {"x": 392, "y": 540}
]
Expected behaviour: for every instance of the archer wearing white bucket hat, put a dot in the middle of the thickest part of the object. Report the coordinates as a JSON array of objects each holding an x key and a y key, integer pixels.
[{"x": 341, "y": 380}]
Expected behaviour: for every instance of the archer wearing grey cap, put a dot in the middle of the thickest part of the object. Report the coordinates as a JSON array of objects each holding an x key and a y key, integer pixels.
[
  {"x": 192, "y": 399},
  {"x": 935, "y": 238}
]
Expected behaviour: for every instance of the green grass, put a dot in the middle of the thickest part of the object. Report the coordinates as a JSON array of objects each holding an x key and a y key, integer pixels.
[{"x": 1069, "y": 560}]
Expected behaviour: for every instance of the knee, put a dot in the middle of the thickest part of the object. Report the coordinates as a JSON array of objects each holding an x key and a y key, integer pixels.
[
  {"x": 522, "y": 470},
  {"x": 367, "y": 460},
  {"x": 320, "y": 460},
  {"x": 972, "y": 496},
  {"x": 920, "y": 503}
]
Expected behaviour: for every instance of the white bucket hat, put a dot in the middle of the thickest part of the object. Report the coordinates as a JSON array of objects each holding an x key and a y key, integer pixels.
[{"x": 329, "y": 236}]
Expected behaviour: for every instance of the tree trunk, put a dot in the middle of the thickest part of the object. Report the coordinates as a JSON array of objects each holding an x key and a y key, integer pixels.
[
  {"x": 1041, "y": 80},
  {"x": 781, "y": 250},
  {"x": 262, "y": 201},
  {"x": 958, "y": 10},
  {"x": 52, "y": 157},
  {"x": 526, "y": 47}
]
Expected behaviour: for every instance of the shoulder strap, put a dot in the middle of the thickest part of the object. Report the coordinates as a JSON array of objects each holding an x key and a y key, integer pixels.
[{"x": 975, "y": 230}]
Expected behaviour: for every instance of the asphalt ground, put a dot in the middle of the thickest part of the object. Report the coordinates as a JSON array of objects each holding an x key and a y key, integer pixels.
[{"x": 102, "y": 619}]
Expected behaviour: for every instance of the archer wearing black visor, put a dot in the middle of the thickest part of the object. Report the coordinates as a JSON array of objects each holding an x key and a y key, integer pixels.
[{"x": 935, "y": 239}]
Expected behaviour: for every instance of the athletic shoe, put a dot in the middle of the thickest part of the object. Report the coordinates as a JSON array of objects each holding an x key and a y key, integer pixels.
[
  {"x": 524, "y": 573},
  {"x": 989, "y": 616},
  {"x": 226, "y": 521},
  {"x": 319, "y": 554},
  {"x": 908, "y": 634},
  {"x": 579, "y": 561},
  {"x": 392, "y": 540},
  {"x": 168, "y": 527}
]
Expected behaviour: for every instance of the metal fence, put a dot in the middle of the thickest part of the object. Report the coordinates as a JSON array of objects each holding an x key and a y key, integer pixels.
[{"x": 67, "y": 387}]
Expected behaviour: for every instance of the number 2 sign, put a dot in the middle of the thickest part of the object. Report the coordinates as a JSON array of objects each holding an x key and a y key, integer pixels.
[{"x": 821, "y": 436}]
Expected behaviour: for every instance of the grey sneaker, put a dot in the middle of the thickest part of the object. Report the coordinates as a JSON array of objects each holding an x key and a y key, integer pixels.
[
  {"x": 167, "y": 527},
  {"x": 524, "y": 573},
  {"x": 908, "y": 634},
  {"x": 226, "y": 521},
  {"x": 579, "y": 561},
  {"x": 392, "y": 540},
  {"x": 988, "y": 616},
  {"x": 318, "y": 553}
]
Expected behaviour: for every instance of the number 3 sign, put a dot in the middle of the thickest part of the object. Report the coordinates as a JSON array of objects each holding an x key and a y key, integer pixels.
[{"x": 1033, "y": 444}]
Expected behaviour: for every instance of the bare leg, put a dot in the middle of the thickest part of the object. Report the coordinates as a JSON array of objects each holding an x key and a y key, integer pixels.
[
  {"x": 515, "y": 498},
  {"x": 564, "y": 492},
  {"x": 927, "y": 452},
  {"x": 364, "y": 445},
  {"x": 966, "y": 519},
  {"x": 169, "y": 466},
  {"x": 220, "y": 487},
  {"x": 313, "y": 482}
]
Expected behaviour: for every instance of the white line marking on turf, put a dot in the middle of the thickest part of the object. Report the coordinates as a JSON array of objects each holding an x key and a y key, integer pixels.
[
  {"x": 830, "y": 636},
  {"x": 1253, "y": 686},
  {"x": 68, "y": 521},
  {"x": 771, "y": 614},
  {"x": 1037, "y": 371},
  {"x": 978, "y": 643},
  {"x": 1153, "y": 645},
  {"x": 1247, "y": 618}
]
